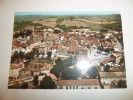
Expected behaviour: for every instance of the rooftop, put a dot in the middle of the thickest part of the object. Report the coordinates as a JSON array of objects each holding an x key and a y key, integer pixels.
[
  {"x": 112, "y": 74},
  {"x": 78, "y": 82}
]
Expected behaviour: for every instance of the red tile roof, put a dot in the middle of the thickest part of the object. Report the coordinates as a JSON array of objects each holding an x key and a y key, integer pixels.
[
  {"x": 88, "y": 82},
  {"x": 54, "y": 47},
  {"x": 117, "y": 54},
  {"x": 107, "y": 44},
  {"x": 14, "y": 66},
  {"x": 78, "y": 82},
  {"x": 67, "y": 82},
  {"x": 73, "y": 49},
  {"x": 107, "y": 60},
  {"x": 50, "y": 38}
]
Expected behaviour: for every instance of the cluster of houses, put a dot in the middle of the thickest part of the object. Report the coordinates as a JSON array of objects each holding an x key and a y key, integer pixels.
[{"x": 78, "y": 43}]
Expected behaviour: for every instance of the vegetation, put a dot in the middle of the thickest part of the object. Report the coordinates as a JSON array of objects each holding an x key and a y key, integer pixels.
[
  {"x": 67, "y": 28},
  {"x": 106, "y": 68},
  {"x": 17, "y": 55},
  {"x": 59, "y": 20},
  {"x": 20, "y": 25},
  {"x": 35, "y": 81},
  {"x": 114, "y": 26},
  {"x": 22, "y": 34},
  {"x": 29, "y": 55},
  {"x": 108, "y": 50},
  {"x": 47, "y": 83},
  {"x": 121, "y": 84},
  {"x": 61, "y": 69},
  {"x": 70, "y": 74},
  {"x": 49, "y": 54},
  {"x": 24, "y": 86},
  {"x": 98, "y": 29},
  {"x": 93, "y": 72}
]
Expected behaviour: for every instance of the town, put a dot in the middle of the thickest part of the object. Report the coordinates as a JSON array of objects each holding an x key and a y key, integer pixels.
[{"x": 47, "y": 55}]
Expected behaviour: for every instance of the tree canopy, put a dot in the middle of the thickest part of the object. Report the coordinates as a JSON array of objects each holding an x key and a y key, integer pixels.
[
  {"x": 47, "y": 83},
  {"x": 62, "y": 66},
  {"x": 121, "y": 84},
  {"x": 35, "y": 81}
]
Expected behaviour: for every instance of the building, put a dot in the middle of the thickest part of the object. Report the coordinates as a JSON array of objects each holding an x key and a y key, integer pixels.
[
  {"x": 78, "y": 84},
  {"x": 36, "y": 72},
  {"x": 14, "y": 70},
  {"x": 108, "y": 61},
  {"x": 25, "y": 73},
  {"x": 117, "y": 57},
  {"x": 109, "y": 77}
]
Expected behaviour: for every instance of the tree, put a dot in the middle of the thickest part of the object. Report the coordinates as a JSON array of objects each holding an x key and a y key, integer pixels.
[
  {"x": 17, "y": 55},
  {"x": 35, "y": 81},
  {"x": 59, "y": 20},
  {"x": 93, "y": 72},
  {"x": 70, "y": 74},
  {"x": 47, "y": 83},
  {"x": 29, "y": 55},
  {"x": 24, "y": 86},
  {"x": 106, "y": 68},
  {"x": 71, "y": 18},
  {"x": 57, "y": 61},
  {"x": 121, "y": 84},
  {"x": 49, "y": 54},
  {"x": 56, "y": 70}
]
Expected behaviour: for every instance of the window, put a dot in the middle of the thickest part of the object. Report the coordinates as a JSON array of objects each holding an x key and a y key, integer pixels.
[
  {"x": 60, "y": 87},
  {"x": 76, "y": 87},
  {"x": 66, "y": 87},
  {"x": 82, "y": 88},
  {"x": 95, "y": 87},
  {"x": 73, "y": 87},
  {"x": 70, "y": 87},
  {"x": 88, "y": 87}
]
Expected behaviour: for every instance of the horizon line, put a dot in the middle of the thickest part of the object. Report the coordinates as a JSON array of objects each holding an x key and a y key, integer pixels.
[{"x": 69, "y": 13}]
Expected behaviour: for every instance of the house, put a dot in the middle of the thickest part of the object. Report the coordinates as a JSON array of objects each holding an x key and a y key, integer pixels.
[
  {"x": 107, "y": 44},
  {"x": 109, "y": 77},
  {"x": 50, "y": 39},
  {"x": 35, "y": 72},
  {"x": 82, "y": 51},
  {"x": 46, "y": 68},
  {"x": 78, "y": 84},
  {"x": 73, "y": 50},
  {"x": 108, "y": 61},
  {"x": 25, "y": 73},
  {"x": 14, "y": 70},
  {"x": 117, "y": 57},
  {"x": 62, "y": 50}
]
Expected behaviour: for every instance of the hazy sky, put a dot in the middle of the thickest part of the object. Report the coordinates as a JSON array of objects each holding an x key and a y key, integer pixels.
[{"x": 67, "y": 13}]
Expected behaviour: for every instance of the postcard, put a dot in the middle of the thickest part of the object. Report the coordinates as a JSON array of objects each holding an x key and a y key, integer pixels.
[{"x": 67, "y": 50}]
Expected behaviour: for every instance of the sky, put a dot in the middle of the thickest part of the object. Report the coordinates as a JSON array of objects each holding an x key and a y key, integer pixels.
[{"x": 68, "y": 13}]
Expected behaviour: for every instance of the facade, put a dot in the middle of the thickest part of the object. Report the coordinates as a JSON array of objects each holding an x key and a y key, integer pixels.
[
  {"x": 14, "y": 70},
  {"x": 25, "y": 73},
  {"x": 78, "y": 84},
  {"x": 36, "y": 72},
  {"x": 109, "y": 77},
  {"x": 117, "y": 57}
]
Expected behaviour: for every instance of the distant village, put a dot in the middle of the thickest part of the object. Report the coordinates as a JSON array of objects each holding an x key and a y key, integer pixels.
[{"x": 50, "y": 58}]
